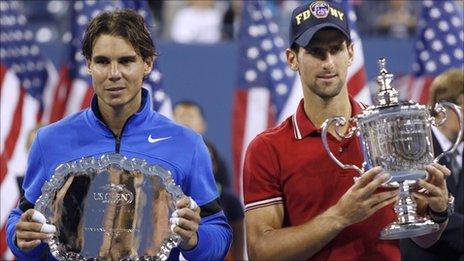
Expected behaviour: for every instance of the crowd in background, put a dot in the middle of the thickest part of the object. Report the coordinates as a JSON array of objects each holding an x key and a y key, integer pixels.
[{"x": 211, "y": 21}]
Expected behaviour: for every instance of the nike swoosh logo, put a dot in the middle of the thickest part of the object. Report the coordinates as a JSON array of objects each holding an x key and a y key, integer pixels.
[{"x": 152, "y": 140}]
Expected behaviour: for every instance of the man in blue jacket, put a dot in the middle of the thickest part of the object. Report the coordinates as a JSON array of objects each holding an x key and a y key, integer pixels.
[{"x": 120, "y": 53}]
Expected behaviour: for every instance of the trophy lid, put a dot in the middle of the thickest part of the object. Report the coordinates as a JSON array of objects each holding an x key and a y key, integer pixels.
[{"x": 387, "y": 95}]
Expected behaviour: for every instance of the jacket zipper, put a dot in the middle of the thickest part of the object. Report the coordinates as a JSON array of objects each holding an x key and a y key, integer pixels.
[
  {"x": 118, "y": 144},
  {"x": 118, "y": 138}
]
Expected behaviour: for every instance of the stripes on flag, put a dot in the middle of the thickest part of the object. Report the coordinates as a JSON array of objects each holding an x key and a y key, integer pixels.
[
  {"x": 268, "y": 91},
  {"x": 438, "y": 47},
  {"x": 264, "y": 81},
  {"x": 25, "y": 79}
]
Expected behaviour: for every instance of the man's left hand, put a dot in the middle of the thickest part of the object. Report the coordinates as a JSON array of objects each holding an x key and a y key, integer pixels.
[
  {"x": 436, "y": 192},
  {"x": 185, "y": 222}
]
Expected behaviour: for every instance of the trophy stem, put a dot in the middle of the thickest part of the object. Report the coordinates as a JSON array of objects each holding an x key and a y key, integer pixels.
[
  {"x": 407, "y": 223},
  {"x": 406, "y": 207}
]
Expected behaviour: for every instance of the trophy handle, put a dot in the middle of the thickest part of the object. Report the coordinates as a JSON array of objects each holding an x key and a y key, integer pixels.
[
  {"x": 440, "y": 109},
  {"x": 339, "y": 121}
]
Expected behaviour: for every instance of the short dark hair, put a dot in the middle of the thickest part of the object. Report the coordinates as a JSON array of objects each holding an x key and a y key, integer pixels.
[
  {"x": 125, "y": 23},
  {"x": 295, "y": 48},
  {"x": 191, "y": 104}
]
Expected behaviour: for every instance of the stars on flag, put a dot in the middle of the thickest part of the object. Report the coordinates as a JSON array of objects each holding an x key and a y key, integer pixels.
[
  {"x": 18, "y": 50},
  {"x": 264, "y": 63},
  {"x": 441, "y": 38}
]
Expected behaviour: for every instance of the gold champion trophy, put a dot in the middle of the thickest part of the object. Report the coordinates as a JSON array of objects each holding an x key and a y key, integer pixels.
[{"x": 396, "y": 136}]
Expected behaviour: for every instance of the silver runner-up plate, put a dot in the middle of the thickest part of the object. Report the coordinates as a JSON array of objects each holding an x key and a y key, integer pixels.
[{"x": 112, "y": 208}]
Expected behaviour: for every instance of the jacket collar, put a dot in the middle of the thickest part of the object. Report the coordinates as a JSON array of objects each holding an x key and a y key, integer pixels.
[
  {"x": 302, "y": 126},
  {"x": 137, "y": 118}
]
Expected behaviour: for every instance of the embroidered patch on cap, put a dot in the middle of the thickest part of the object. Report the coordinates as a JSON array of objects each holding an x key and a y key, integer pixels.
[{"x": 319, "y": 9}]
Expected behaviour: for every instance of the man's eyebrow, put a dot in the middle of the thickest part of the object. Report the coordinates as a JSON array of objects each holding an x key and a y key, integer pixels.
[
  {"x": 128, "y": 57},
  {"x": 122, "y": 57},
  {"x": 100, "y": 57}
]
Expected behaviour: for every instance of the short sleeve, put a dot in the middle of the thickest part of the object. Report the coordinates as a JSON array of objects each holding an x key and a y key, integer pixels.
[{"x": 261, "y": 175}]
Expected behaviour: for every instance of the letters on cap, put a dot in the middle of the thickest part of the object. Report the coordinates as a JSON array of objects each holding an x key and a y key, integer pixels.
[{"x": 320, "y": 10}]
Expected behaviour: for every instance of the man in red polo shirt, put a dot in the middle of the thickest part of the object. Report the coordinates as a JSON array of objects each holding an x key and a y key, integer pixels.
[{"x": 301, "y": 205}]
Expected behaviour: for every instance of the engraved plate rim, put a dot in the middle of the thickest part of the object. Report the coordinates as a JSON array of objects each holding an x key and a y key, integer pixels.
[{"x": 97, "y": 165}]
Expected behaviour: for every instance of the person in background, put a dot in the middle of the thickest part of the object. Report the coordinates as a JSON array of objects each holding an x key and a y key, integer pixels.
[
  {"x": 119, "y": 52},
  {"x": 231, "y": 20},
  {"x": 199, "y": 22},
  {"x": 157, "y": 9},
  {"x": 301, "y": 205},
  {"x": 190, "y": 114},
  {"x": 399, "y": 20},
  {"x": 449, "y": 87}
]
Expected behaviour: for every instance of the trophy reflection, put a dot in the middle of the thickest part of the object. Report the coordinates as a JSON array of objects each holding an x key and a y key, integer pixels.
[
  {"x": 112, "y": 208},
  {"x": 396, "y": 136}
]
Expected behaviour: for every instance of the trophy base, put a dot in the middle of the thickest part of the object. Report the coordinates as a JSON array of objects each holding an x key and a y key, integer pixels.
[{"x": 406, "y": 230}]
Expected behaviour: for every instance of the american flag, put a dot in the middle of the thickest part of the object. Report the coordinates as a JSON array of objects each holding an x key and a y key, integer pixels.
[
  {"x": 25, "y": 80},
  {"x": 74, "y": 91},
  {"x": 268, "y": 91},
  {"x": 438, "y": 47}
]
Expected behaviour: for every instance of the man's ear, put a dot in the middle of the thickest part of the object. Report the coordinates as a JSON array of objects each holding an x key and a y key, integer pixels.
[
  {"x": 148, "y": 65},
  {"x": 89, "y": 71},
  {"x": 292, "y": 60}
]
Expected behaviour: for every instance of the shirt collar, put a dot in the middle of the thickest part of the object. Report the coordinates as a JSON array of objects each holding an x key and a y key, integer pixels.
[
  {"x": 144, "y": 103},
  {"x": 135, "y": 119},
  {"x": 302, "y": 126}
]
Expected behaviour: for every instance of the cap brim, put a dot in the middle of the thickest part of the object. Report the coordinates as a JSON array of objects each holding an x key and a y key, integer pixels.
[{"x": 306, "y": 37}]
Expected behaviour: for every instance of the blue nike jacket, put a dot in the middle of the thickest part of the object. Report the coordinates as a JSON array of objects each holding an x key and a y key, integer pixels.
[{"x": 147, "y": 135}]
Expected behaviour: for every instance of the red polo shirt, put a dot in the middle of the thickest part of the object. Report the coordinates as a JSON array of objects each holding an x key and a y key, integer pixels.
[{"x": 289, "y": 165}]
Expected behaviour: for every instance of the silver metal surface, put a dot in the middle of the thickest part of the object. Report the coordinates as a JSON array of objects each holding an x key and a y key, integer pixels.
[
  {"x": 407, "y": 223},
  {"x": 110, "y": 208},
  {"x": 387, "y": 95},
  {"x": 396, "y": 230},
  {"x": 339, "y": 121},
  {"x": 396, "y": 136}
]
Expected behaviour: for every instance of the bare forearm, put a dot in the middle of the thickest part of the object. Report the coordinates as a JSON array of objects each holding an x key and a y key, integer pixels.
[{"x": 298, "y": 242}]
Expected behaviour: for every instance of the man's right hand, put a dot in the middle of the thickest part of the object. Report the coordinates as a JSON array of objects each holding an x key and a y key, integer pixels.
[
  {"x": 360, "y": 201},
  {"x": 31, "y": 230}
]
